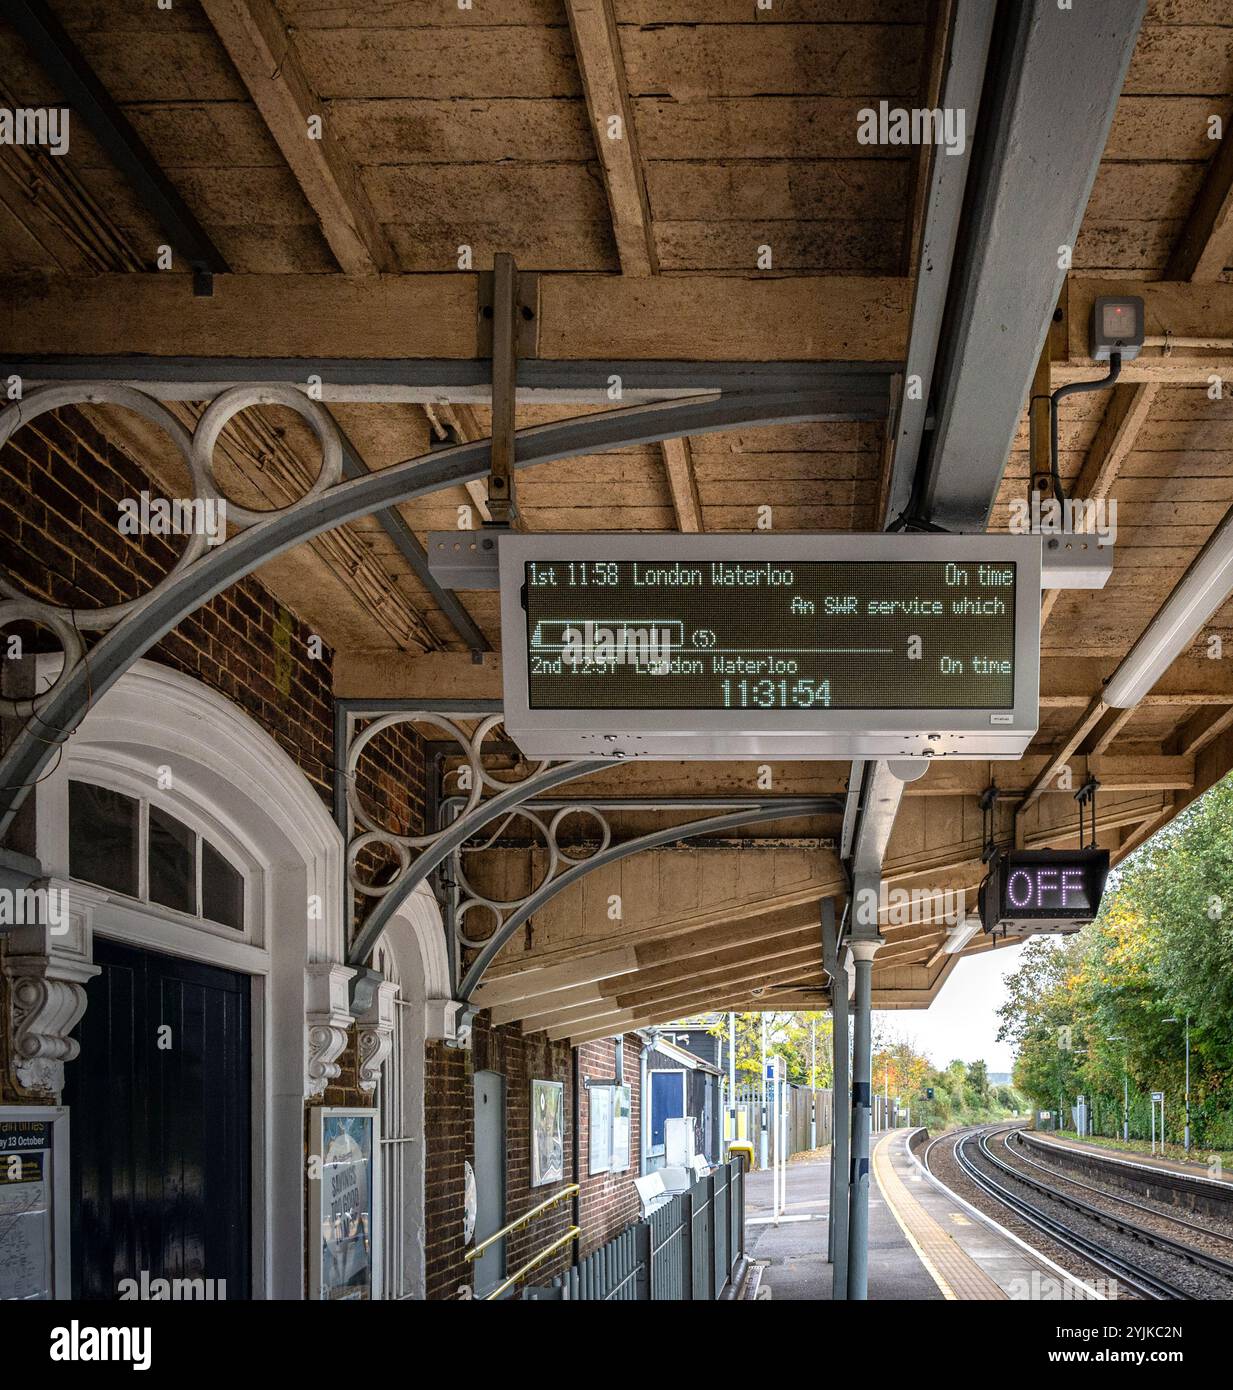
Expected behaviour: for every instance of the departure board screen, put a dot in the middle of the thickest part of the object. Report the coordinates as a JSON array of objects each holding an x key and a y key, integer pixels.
[{"x": 771, "y": 635}]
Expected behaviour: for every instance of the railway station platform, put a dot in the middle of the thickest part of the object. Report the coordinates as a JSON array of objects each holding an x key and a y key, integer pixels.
[
  {"x": 924, "y": 1242},
  {"x": 967, "y": 1254},
  {"x": 794, "y": 1252}
]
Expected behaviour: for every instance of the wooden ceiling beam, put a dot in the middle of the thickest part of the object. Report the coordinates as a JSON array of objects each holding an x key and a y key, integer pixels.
[
  {"x": 582, "y": 317},
  {"x": 683, "y": 484},
  {"x": 745, "y": 1000},
  {"x": 1200, "y": 729},
  {"x": 264, "y": 54},
  {"x": 1205, "y": 245},
  {"x": 675, "y": 1004},
  {"x": 597, "y": 46},
  {"x": 687, "y": 968},
  {"x": 799, "y": 959}
]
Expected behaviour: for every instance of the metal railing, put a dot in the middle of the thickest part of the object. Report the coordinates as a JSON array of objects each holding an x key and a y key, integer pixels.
[
  {"x": 686, "y": 1249},
  {"x": 525, "y": 1220}
]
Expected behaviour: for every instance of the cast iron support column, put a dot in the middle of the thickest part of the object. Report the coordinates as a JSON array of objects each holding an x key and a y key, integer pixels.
[
  {"x": 862, "y": 1066},
  {"x": 841, "y": 1121}
]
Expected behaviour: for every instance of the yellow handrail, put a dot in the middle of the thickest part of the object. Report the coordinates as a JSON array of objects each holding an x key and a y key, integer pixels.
[
  {"x": 477, "y": 1250},
  {"x": 538, "y": 1260}
]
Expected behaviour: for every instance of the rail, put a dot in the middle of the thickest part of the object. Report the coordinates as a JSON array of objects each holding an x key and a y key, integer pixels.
[
  {"x": 689, "y": 1248},
  {"x": 524, "y": 1220},
  {"x": 533, "y": 1263}
]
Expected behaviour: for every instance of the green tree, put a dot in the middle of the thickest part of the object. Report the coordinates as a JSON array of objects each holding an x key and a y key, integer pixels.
[{"x": 1106, "y": 1008}]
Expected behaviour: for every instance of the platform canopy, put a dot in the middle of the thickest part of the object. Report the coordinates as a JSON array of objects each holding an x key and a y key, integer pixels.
[{"x": 684, "y": 187}]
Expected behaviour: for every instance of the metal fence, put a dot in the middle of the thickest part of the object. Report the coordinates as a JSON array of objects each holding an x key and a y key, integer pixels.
[{"x": 686, "y": 1249}]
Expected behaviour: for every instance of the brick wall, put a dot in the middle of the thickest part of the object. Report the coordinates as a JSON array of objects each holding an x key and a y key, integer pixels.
[{"x": 608, "y": 1201}]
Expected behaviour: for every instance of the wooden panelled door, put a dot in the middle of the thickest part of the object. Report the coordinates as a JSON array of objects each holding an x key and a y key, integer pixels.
[{"x": 159, "y": 1125}]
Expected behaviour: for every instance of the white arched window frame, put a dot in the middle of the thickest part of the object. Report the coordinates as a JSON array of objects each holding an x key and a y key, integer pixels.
[
  {"x": 139, "y": 920},
  {"x": 233, "y": 784}
]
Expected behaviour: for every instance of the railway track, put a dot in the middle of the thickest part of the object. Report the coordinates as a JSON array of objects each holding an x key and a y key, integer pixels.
[
  {"x": 1144, "y": 1261},
  {"x": 1204, "y": 1230}
]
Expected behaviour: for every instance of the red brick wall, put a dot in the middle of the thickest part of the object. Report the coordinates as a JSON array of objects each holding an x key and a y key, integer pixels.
[
  {"x": 60, "y": 481},
  {"x": 608, "y": 1201}
]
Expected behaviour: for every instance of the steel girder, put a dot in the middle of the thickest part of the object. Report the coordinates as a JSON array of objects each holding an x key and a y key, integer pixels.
[
  {"x": 1049, "y": 100},
  {"x": 612, "y": 854},
  {"x": 841, "y": 390}
]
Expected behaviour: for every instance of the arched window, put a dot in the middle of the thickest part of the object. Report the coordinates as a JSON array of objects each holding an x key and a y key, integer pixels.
[{"x": 134, "y": 846}]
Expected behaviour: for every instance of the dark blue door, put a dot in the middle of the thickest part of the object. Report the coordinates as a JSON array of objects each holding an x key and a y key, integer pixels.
[
  {"x": 667, "y": 1102},
  {"x": 159, "y": 1117}
]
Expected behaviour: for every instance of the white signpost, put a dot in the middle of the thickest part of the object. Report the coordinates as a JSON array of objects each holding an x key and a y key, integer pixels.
[{"x": 779, "y": 1152}]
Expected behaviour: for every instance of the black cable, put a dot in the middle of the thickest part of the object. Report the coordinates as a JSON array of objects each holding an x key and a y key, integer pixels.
[
  {"x": 1115, "y": 370},
  {"x": 904, "y": 522}
]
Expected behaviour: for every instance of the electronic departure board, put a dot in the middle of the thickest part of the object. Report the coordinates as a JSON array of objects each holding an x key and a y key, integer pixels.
[{"x": 725, "y": 646}]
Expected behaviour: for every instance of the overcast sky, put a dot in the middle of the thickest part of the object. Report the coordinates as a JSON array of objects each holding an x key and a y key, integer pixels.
[{"x": 962, "y": 1021}]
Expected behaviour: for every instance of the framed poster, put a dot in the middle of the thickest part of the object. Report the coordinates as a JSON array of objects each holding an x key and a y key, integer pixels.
[
  {"x": 599, "y": 1128},
  {"x": 622, "y": 1104},
  {"x": 608, "y": 1128},
  {"x": 344, "y": 1194},
  {"x": 34, "y": 1202},
  {"x": 547, "y": 1132}
]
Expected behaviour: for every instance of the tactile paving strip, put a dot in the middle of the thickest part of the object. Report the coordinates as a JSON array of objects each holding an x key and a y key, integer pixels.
[{"x": 951, "y": 1268}]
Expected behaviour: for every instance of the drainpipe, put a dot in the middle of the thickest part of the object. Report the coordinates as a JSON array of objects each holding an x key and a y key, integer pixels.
[
  {"x": 643, "y": 1132},
  {"x": 577, "y": 1147}
]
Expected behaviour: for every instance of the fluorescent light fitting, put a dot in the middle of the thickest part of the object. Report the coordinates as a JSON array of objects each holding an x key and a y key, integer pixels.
[
  {"x": 1200, "y": 591},
  {"x": 956, "y": 940}
]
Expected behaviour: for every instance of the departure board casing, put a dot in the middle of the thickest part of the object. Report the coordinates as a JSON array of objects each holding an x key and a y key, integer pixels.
[
  {"x": 1028, "y": 892},
  {"x": 826, "y": 646}
]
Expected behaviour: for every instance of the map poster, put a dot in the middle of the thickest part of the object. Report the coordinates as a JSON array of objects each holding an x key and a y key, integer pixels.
[{"x": 27, "y": 1247}]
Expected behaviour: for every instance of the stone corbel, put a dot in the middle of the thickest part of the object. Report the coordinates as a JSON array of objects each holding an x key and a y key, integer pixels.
[
  {"x": 47, "y": 964},
  {"x": 375, "y": 1027},
  {"x": 440, "y": 1020},
  {"x": 329, "y": 1018}
]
